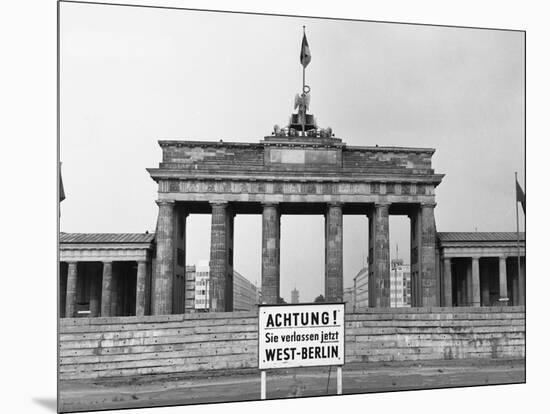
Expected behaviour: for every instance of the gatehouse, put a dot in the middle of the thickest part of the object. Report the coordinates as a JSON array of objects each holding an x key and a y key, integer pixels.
[{"x": 294, "y": 175}]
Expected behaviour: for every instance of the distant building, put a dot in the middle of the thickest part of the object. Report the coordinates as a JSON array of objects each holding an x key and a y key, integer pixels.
[
  {"x": 294, "y": 296},
  {"x": 197, "y": 299},
  {"x": 190, "y": 274},
  {"x": 349, "y": 299},
  {"x": 202, "y": 287},
  {"x": 357, "y": 297},
  {"x": 245, "y": 293},
  {"x": 361, "y": 289},
  {"x": 400, "y": 284},
  {"x": 196, "y": 287}
]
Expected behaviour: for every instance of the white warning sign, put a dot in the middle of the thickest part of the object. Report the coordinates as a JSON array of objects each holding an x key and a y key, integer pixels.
[{"x": 300, "y": 335}]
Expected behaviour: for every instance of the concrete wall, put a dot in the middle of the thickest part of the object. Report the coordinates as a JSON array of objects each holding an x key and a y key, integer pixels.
[{"x": 125, "y": 346}]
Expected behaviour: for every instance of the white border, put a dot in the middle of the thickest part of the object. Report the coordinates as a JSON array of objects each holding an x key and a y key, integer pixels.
[{"x": 28, "y": 130}]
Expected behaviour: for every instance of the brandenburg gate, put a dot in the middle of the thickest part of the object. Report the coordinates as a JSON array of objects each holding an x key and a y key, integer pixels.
[{"x": 299, "y": 169}]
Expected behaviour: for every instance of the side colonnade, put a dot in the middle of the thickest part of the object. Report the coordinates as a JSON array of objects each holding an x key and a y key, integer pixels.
[
  {"x": 470, "y": 281},
  {"x": 482, "y": 268},
  {"x": 105, "y": 274}
]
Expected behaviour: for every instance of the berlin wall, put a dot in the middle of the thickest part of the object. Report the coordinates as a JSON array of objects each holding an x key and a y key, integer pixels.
[{"x": 92, "y": 348}]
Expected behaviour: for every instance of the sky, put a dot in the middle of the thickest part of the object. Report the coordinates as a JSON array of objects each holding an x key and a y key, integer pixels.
[{"x": 133, "y": 76}]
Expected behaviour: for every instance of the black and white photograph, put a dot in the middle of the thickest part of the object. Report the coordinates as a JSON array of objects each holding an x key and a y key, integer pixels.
[
  {"x": 258, "y": 207},
  {"x": 237, "y": 206}
]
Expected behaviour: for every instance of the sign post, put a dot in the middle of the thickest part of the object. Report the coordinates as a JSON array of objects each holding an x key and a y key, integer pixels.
[
  {"x": 263, "y": 384},
  {"x": 300, "y": 335}
]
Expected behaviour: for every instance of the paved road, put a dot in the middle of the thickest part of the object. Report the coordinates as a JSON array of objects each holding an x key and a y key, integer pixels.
[{"x": 176, "y": 389}]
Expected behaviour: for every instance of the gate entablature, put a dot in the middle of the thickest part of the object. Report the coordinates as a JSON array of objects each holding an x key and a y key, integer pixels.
[{"x": 300, "y": 169}]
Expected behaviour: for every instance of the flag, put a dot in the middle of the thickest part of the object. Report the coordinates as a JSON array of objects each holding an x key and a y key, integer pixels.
[
  {"x": 61, "y": 189},
  {"x": 305, "y": 54},
  {"x": 520, "y": 196}
]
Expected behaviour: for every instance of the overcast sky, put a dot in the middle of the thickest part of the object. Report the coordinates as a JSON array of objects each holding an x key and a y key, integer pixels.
[{"x": 131, "y": 76}]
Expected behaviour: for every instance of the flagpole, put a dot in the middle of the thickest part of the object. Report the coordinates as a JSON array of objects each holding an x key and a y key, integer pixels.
[
  {"x": 304, "y": 70},
  {"x": 304, "y": 80},
  {"x": 517, "y": 232},
  {"x": 304, "y": 91}
]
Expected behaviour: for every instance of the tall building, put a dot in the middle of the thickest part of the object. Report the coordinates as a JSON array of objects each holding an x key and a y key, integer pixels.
[
  {"x": 400, "y": 284},
  {"x": 197, "y": 297},
  {"x": 295, "y": 296},
  {"x": 361, "y": 289},
  {"x": 245, "y": 293},
  {"x": 190, "y": 274},
  {"x": 202, "y": 287}
]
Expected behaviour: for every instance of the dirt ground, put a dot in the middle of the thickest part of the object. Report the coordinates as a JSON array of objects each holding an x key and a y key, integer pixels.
[{"x": 178, "y": 389}]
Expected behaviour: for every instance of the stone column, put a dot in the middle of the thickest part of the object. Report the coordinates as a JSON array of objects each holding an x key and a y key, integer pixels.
[
  {"x": 484, "y": 283},
  {"x": 447, "y": 282},
  {"x": 476, "y": 299},
  {"x": 413, "y": 289},
  {"x": 178, "y": 286},
  {"x": 230, "y": 226},
  {"x": 503, "y": 281},
  {"x": 468, "y": 292},
  {"x": 140, "y": 287},
  {"x": 271, "y": 226},
  {"x": 148, "y": 286},
  {"x": 218, "y": 257},
  {"x": 70, "y": 303},
  {"x": 415, "y": 219},
  {"x": 334, "y": 274},
  {"x": 164, "y": 269},
  {"x": 95, "y": 296},
  {"x": 106, "y": 288},
  {"x": 115, "y": 294},
  {"x": 428, "y": 274},
  {"x": 379, "y": 248}
]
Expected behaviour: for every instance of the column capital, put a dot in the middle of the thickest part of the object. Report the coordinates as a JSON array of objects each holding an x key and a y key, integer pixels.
[
  {"x": 337, "y": 204},
  {"x": 381, "y": 206},
  {"x": 428, "y": 204},
  {"x": 163, "y": 202},
  {"x": 219, "y": 207},
  {"x": 110, "y": 262},
  {"x": 270, "y": 204},
  {"x": 71, "y": 261},
  {"x": 476, "y": 258}
]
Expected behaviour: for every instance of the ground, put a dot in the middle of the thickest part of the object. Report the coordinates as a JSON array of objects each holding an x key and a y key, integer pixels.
[{"x": 176, "y": 389}]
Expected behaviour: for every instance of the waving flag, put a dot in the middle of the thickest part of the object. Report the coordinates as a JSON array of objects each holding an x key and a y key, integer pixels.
[
  {"x": 520, "y": 195},
  {"x": 61, "y": 188},
  {"x": 305, "y": 54}
]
